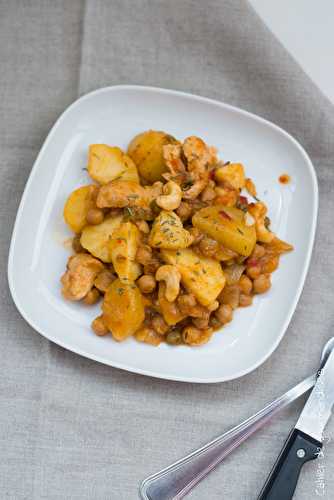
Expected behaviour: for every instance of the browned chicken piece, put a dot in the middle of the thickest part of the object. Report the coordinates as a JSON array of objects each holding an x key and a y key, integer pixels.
[
  {"x": 120, "y": 194},
  {"x": 172, "y": 156},
  {"x": 198, "y": 154},
  {"x": 78, "y": 280},
  {"x": 196, "y": 188}
]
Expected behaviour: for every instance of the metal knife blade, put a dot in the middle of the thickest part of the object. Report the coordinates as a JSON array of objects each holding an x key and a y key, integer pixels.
[{"x": 318, "y": 408}]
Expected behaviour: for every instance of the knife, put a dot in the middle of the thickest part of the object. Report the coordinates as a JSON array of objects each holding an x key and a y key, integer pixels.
[{"x": 304, "y": 443}]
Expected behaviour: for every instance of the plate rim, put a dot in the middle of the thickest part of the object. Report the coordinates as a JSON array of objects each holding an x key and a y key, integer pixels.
[{"x": 122, "y": 366}]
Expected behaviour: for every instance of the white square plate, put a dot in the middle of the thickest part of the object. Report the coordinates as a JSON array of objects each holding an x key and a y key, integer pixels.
[{"x": 113, "y": 116}]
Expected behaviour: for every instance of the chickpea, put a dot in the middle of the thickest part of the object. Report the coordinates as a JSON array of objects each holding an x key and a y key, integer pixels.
[
  {"x": 195, "y": 336},
  {"x": 208, "y": 194},
  {"x": 224, "y": 314},
  {"x": 184, "y": 211},
  {"x": 159, "y": 324},
  {"x": 99, "y": 326},
  {"x": 152, "y": 266},
  {"x": 200, "y": 323},
  {"x": 186, "y": 302},
  {"x": 230, "y": 296},
  {"x": 262, "y": 283},
  {"x": 148, "y": 335},
  {"x": 190, "y": 334},
  {"x": 174, "y": 337},
  {"x": 144, "y": 254},
  {"x": 214, "y": 322},
  {"x": 270, "y": 265},
  {"x": 103, "y": 280},
  {"x": 258, "y": 252},
  {"x": 76, "y": 245},
  {"x": 199, "y": 311},
  {"x": 253, "y": 272},
  {"x": 146, "y": 283},
  {"x": 92, "y": 297},
  {"x": 245, "y": 300},
  {"x": 95, "y": 216},
  {"x": 245, "y": 284},
  {"x": 208, "y": 247}
]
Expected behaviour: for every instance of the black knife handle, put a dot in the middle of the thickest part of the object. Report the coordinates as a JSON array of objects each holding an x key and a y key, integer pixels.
[{"x": 282, "y": 480}]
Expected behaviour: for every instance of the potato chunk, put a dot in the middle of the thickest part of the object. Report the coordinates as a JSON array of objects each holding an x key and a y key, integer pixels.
[
  {"x": 233, "y": 174},
  {"x": 123, "y": 246},
  {"x": 146, "y": 151},
  {"x": 202, "y": 276},
  {"x": 168, "y": 232},
  {"x": 227, "y": 225},
  {"x": 95, "y": 239},
  {"x": 107, "y": 163},
  {"x": 123, "y": 309},
  {"x": 78, "y": 204}
]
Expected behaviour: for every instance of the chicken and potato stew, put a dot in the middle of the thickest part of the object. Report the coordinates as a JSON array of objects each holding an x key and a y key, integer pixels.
[{"x": 170, "y": 238}]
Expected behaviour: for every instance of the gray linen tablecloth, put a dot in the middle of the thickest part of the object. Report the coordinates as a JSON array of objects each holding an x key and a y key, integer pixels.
[{"x": 71, "y": 428}]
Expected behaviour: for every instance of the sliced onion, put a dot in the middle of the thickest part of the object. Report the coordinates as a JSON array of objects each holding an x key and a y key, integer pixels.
[
  {"x": 233, "y": 273},
  {"x": 279, "y": 246}
]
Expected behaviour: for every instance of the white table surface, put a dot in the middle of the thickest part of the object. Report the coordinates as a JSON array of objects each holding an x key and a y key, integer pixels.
[{"x": 305, "y": 29}]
